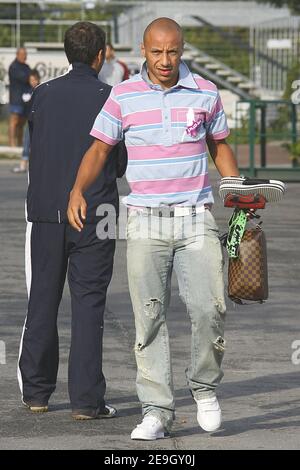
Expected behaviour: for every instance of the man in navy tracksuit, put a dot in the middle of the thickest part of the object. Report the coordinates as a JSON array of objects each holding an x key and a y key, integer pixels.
[{"x": 62, "y": 114}]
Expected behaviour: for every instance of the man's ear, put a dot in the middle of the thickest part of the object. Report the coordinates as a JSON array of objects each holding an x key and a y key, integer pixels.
[
  {"x": 101, "y": 56},
  {"x": 183, "y": 46},
  {"x": 99, "y": 60},
  {"x": 143, "y": 50}
]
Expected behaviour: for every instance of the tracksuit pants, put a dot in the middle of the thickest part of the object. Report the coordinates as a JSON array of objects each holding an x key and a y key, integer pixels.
[{"x": 52, "y": 252}]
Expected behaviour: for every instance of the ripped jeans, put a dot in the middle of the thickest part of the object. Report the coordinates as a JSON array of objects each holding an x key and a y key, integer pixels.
[{"x": 192, "y": 246}]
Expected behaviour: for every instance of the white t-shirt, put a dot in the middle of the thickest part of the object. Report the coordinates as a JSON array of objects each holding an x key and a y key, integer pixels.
[{"x": 112, "y": 72}]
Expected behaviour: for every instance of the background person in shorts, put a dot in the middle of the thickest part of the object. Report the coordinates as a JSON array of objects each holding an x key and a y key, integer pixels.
[
  {"x": 18, "y": 85},
  {"x": 34, "y": 81}
]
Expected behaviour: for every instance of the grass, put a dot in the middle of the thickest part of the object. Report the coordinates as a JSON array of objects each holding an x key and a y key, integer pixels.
[
  {"x": 4, "y": 132},
  {"x": 10, "y": 157},
  {"x": 4, "y": 141}
]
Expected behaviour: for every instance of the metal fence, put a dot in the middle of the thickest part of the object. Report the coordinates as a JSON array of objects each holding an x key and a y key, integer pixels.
[
  {"x": 266, "y": 138},
  {"x": 280, "y": 41},
  {"x": 40, "y": 30}
]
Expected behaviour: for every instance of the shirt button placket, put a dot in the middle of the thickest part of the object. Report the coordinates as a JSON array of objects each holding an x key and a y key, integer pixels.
[{"x": 167, "y": 120}]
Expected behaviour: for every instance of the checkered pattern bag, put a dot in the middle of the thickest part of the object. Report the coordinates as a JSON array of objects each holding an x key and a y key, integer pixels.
[{"x": 248, "y": 274}]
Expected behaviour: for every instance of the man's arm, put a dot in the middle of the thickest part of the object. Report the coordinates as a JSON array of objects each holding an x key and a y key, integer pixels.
[
  {"x": 223, "y": 157},
  {"x": 90, "y": 167}
]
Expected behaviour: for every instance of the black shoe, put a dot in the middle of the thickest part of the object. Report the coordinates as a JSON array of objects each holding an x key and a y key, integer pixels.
[
  {"x": 107, "y": 412},
  {"x": 36, "y": 408}
]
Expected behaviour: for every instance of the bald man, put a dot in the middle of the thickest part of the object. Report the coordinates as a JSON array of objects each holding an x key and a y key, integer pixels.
[
  {"x": 168, "y": 115},
  {"x": 18, "y": 86}
]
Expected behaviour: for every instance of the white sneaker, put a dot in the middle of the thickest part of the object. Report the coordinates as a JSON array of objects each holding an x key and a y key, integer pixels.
[
  {"x": 18, "y": 169},
  {"x": 209, "y": 414},
  {"x": 150, "y": 429},
  {"x": 272, "y": 190}
]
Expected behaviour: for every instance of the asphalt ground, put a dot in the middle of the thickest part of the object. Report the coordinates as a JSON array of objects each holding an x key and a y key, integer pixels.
[{"x": 260, "y": 392}]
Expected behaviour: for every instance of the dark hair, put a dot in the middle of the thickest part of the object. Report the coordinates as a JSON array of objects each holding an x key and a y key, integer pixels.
[
  {"x": 35, "y": 73},
  {"x": 83, "y": 41}
]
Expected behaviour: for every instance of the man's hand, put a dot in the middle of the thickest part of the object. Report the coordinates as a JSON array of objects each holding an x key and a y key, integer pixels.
[
  {"x": 77, "y": 210},
  {"x": 90, "y": 167}
]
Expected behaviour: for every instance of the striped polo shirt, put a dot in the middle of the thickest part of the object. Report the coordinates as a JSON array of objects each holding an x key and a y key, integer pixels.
[{"x": 165, "y": 134}]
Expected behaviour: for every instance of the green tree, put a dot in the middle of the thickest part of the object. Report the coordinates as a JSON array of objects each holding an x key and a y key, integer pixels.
[{"x": 293, "y": 5}]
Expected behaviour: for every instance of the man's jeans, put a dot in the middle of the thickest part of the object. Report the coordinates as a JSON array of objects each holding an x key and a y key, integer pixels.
[{"x": 191, "y": 244}]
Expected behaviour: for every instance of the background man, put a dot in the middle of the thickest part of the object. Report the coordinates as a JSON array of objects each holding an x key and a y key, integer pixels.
[
  {"x": 61, "y": 116},
  {"x": 113, "y": 70},
  {"x": 168, "y": 115},
  {"x": 18, "y": 85},
  {"x": 34, "y": 81}
]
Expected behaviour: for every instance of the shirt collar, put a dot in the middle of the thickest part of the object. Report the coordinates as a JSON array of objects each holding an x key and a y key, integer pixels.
[
  {"x": 186, "y": 79},
  {"x": 83, "y": 69}
]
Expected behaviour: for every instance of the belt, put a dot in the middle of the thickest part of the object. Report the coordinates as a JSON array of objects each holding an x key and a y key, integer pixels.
[{"x": 169, "y": 211}]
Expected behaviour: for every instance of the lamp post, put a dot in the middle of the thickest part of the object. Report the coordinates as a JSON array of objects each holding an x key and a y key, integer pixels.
[{"x": 18, "y": 23}]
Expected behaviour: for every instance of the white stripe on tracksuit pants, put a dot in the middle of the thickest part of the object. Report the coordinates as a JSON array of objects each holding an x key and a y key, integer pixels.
[{"x": 28, "y": 276}]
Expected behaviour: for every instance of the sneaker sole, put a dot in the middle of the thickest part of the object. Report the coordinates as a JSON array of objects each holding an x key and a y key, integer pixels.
[
  {"x": 241, "y": 180},
  {"x": 234, "y": 181},
  {"x": 38, "y": 409},
  {"x": 81, "y": 417},
  {"x": 272, "y": 192},
  {"x": 160, "y": 436}
]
